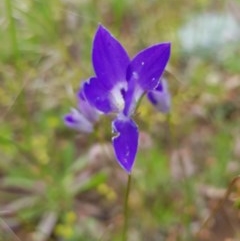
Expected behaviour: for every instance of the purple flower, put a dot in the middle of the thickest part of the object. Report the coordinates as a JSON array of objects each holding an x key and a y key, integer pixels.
[
  {"x": 118, "y": 85},
  {"x": 83, "y": 118},
  {"x": 160, "y": 96}
]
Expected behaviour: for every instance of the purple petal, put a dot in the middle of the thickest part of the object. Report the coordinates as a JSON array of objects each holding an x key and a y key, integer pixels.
[
  {"x": 103, "y": 99},
  {"x": 97, "y": 95},
  {"x": 89, "y": 111},
  {"x": 160, "y": 97},
  {"x": 147, "y": 67},
  {"x": 78, "y": 122},
  {"x": 110, "y": 60},
  {"x": 126, "y": 142}
]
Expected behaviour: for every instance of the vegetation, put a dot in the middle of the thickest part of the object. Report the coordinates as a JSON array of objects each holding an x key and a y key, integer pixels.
[{"x": 56, "y": 184}]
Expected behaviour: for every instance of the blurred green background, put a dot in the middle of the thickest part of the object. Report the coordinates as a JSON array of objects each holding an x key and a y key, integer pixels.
[{"x": 56, "y": 184}]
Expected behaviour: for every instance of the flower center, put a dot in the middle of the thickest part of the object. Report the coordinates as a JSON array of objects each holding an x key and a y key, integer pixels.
[{"x": 118, "y": 95}]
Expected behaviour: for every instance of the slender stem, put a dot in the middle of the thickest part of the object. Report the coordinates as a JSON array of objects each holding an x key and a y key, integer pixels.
[
  {"x": 219, "y": 205},
  {"x": 5, "y": 226},
  {"x": 126, "y": 209},
  {"x": 170, "y": 131},
  {"x": 12, "y": 28}
]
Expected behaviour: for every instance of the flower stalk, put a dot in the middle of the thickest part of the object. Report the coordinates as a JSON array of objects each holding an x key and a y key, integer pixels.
[{"x": 126, "y": 209}]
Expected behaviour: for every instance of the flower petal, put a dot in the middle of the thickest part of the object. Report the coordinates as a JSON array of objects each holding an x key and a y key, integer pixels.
[
  {"x": 160, "y": 97},
  {"x": 97, "y": 95},
  {"x": 126, "y": 142},
  {"x": 77, "y": 121},
  {"x": 110, "y": 60},
  {"x": 147, "y": 66},
  {"x": 89, "y": 111}
]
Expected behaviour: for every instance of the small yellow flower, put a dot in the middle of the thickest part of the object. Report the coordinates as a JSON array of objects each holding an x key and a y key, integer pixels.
[
  {"x": 107, "y": 191},
  {"x": 70, "y": 217},
  {"x": 111, "y": 196},
  {"x": 102, "y": 188},
  {"x": 53, "y": 121},
  {"x": 64, "y": 231},
  {"x": 40, "y": 143}
]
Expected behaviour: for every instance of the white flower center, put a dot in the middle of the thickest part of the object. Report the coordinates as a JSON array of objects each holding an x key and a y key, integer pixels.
[{"x": 117, "y": 95}]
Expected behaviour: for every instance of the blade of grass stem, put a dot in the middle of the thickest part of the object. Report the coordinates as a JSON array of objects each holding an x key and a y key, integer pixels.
[{"x": 12, "y": 29}]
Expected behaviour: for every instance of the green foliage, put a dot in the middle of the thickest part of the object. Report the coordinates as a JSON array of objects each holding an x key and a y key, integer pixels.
[{"x": 45, "y": 170}]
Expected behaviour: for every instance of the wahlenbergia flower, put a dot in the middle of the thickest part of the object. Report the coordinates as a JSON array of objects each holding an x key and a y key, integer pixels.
[
  {"x": 83, "y": 118},
  {"x": 160, "y": 96},
  {"x": 119, "y": 84}
]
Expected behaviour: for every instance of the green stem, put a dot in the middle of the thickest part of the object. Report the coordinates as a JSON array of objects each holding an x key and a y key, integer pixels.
[
  {"x": 12, "y": 29},
  {"x": 126, "y": 210},
  {"x": 170, "y": 130}
]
